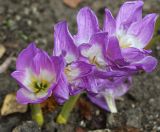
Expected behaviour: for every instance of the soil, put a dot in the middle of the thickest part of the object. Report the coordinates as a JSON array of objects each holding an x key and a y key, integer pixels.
[{"x": 24, "y": 21}]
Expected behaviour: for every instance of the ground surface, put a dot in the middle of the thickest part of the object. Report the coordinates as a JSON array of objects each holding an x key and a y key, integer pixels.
[{"x": 24, "y": 21}]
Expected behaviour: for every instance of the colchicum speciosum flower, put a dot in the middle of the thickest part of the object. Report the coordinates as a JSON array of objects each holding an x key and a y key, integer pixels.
[
  {"x": 129, "y": 34},
  {"x": 75, "y": 71},
  {"x": 119, "y": 46},
  {"x": 36, "y": 74},
  {"x": 86, "y": 49},
  {"x": 97, "y": 61},
  {"x": 108, "y": 91}
]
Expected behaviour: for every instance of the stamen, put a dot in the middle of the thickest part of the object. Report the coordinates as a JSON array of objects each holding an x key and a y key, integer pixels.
[{"x": 39, "y": 86}]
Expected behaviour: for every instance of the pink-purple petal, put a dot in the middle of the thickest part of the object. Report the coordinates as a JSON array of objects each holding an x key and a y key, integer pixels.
[
  {"x": 26, "y": 55},
  {"x": 144, "y": 29},
  {"x": 109, "y": 22},
  {"x": 148, "y": 63},
  {"x": 63, "y": 42},
  {"x": 87, "y": 25},
  {"x": 129, "y": 12},
  {"x": 61, "y": 91}
]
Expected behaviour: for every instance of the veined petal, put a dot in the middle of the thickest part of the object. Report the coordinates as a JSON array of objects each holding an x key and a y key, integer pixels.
[
  {"x": 129, "y": 12},
  {"x": 109, "y": 22},
  {"x": 108, "y": 91},
  {"x": 148, "y": 63},
  {"x": 42, "y": 62},
  {"x": 84, "y": 68},
  {"x": 61, "y": 92},
  {"x": 37, "y": 78},
  {"x": 87, "y": 25},
  {"x": 78, "y": 76},
  {"x": 24, "y": 96},
  {"x": 24, "y": 58},
  {"x": 19, "y": 76},
  {"x": 143, "y": 30},
  {"x": 99, "y": 100},
  {"x": 63, "y": 41},
  {"x": 77, "y": 70},
  {"x": 59, "y": 65},
  {"x": 133, "y": 54},
  {"x": 113, "y": 49},
  {"x": 95, "y": 52}
]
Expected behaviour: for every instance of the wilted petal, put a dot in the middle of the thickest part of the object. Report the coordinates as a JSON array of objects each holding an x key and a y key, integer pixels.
[
  {"x": 63, "y": 42},
  {"x": 87, "y": 25},
  {"x": 109, "y": 22},
  {"x": 129, "y": 12}
]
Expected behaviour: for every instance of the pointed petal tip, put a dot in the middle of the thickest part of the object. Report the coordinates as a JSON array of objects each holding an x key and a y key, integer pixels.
[
  {"x": 86, "y": 8},
  {"x": 139, "y": 2},
  {"x": 61, "y": 23}
]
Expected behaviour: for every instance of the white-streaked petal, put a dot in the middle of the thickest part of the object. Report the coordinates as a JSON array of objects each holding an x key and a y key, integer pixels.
[
  {"x": 94, "y": 52},
  {"x": 127, "y": 40}
]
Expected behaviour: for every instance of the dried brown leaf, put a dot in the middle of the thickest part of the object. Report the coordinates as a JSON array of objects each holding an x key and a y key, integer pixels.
[
  {"x": 72, "y": 3},
  {"x": 10, "y": 105},
  {"x": 5, "y": 64},
  {"x": 2, "y": 50}
]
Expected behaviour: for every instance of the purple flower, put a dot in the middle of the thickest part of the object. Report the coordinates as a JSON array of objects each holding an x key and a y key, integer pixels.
[
  {"x": 36, "y": 74},
  {"x": 83, "y": 55},
  {"x": 75, "y": 71},
  {"x": 129, "y": 34},
  {"x": 88, "y": 45},
  {"x": 108, "y": 91}
]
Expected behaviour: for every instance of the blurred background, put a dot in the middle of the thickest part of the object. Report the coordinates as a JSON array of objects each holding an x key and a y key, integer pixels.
[{"x": 25, "y": 21}]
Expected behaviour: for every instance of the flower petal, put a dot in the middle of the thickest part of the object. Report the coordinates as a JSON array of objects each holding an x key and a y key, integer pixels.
[
  {"x": 109, "y": 22},
  {"x": 63, "y": 42},
  {"x": 25, "y": 97},
  {"x": 113, "y": 49},
  {"x": 42, "y": 61},
  {"x": 129, "y": 13},
  {"x": 143, "y": 30},
  {"x": 24, "y": 58},
  {"x": 99, "y": 100},
  {"x": 133, "y": 54},
  {"x": 87, "y": 25},
  {"x": 148, "y": 63},
  {"x": 61, "y": 92},
  {"x": 96, "y": 52},
  {"x": 19, "y": 76}
]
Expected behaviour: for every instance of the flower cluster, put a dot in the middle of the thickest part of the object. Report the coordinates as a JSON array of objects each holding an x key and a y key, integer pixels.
[{"x": 97, "y": 61}]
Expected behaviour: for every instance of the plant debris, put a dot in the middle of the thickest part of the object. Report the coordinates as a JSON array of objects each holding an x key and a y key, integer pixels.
[
  {"x": 5, "y": 64},
  {"x": 72, "y": 3},
  {"x": 2, "y": 50},
  {"x": 10, "y": 105}
]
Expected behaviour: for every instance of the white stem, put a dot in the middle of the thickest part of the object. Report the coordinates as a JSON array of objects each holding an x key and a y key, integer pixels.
[{"x": 111, "y": 102}]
